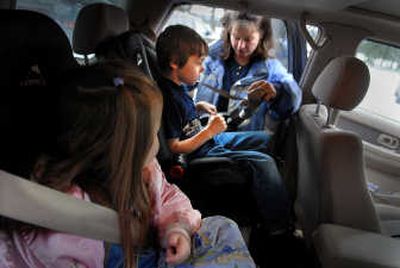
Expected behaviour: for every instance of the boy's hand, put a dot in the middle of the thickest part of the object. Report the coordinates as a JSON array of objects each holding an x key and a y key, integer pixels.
[
  {"x": 216, "y": 124},
  {"x": 206, "y": 107},
  {"x": 268, "y": 91},
  {"x": 178, "y": 248}
]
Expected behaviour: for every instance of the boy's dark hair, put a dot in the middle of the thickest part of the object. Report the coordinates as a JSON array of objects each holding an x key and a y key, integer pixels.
[{"x": 176, "y": 44}]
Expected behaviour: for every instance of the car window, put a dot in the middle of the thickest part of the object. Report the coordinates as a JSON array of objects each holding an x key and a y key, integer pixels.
[
  {"x": 64, "y": 12},
  {"x": 315, "y": 32},
  {"x": 383, "y": 96},
  {"x": 206, "y": 21}
]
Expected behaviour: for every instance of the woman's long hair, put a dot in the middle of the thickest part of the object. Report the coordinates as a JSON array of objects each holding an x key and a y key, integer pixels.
[
  {"x": 263, "y": 24},
  {"x": 108, "y": 114}
]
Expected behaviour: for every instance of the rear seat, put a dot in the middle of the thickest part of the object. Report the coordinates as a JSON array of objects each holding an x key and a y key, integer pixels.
[
  {"x": 345, "y": 247},
  {"x": 34, "y": 52},
  {"x": 96, "y": 23},
  {"x": 28, "y": 39}
]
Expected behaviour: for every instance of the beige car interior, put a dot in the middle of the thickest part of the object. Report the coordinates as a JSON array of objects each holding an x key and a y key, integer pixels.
[
  {"x": 330, "y": 160},
  {"x": 335, "y": 210},
  {"x": 332, "y": 186}
]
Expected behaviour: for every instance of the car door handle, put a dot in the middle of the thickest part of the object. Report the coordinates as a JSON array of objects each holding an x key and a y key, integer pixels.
[{"x": 388, "y": 141}]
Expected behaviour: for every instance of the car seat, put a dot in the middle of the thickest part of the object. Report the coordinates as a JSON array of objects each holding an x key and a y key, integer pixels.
[
  {"x": 326, "y": 174},
  {"x": 95, "y": 23},
  {"x": 35, "y": 52},
  {"x": 332, "y": 185}
]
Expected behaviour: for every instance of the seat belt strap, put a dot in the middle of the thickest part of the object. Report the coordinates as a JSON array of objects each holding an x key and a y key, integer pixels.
[
  {"x": 29, "y": 202},
  {"x": 222, "y": 92}
]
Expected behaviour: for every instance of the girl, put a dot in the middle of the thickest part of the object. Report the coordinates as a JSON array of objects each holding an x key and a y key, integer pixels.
[{"x": 109, "y": 115}]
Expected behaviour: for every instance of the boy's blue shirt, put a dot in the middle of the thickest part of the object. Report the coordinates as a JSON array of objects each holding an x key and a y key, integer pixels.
[
  {"x": 289, "y": 94},
  {"x": 180, "y": 118}
]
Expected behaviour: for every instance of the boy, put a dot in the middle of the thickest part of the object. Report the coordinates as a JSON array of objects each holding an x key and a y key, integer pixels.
[{"x": 180, "y": 54}]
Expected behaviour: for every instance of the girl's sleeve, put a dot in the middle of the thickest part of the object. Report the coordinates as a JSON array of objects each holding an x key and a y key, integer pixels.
[
  {"x": 47, "y": 248},
  {"x": 172, "y": 210}
]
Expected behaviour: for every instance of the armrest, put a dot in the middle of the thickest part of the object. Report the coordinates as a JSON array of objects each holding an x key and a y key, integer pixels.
[{"x": 341, "y": 247}]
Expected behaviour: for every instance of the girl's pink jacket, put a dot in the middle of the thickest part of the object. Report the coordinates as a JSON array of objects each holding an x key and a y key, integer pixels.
[{"x": 172, "y": 211}]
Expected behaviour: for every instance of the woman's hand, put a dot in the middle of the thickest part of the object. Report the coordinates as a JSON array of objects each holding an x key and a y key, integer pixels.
[
  {"x": 206, "y": 107},
  {"x": 268, "y": 91},
  {"x": 178, "y": 248}
]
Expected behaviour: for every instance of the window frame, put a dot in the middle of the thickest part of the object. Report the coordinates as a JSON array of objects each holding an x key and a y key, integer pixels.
[{"x": 297, "y": 50}]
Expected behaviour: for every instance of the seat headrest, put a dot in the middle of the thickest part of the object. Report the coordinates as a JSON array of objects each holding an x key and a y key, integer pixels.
[
  {"x": 95, "y": 23},
  {"x": 31, "y": 39},
  {"x": 343, "y": 83}
]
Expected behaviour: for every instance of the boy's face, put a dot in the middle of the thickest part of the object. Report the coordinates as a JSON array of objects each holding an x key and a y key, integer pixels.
[{"x": 190, "y": 72}]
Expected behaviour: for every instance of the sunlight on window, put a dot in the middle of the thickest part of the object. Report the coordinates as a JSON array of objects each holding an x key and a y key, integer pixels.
[
  {"x": 314, "y": 31},
  {"x": 383, "y": 96},
  {"x": 207, "y": 22}
]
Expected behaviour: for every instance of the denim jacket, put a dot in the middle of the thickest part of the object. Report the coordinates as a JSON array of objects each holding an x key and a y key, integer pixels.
[{"x": 289, "y": 94}]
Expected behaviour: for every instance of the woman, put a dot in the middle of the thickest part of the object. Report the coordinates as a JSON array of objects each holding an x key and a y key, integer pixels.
[{"x": 241, "y": 63}]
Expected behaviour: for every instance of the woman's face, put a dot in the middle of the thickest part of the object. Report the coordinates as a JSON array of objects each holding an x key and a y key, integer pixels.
[{"x": 245, "y": 37}]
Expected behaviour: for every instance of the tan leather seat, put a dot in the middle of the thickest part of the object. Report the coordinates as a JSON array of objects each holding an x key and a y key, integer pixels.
[
  {"x": 343, "y": 247},
  {"x": 332, "y": 185}
]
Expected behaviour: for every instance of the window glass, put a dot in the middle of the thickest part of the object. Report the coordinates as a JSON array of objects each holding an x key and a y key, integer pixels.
[
  {"x": 314, "y": 32},
  {"x": 207, "y": 22},
  {"x": 64, "y": 12},
  {"x": 383, "y": 96}
]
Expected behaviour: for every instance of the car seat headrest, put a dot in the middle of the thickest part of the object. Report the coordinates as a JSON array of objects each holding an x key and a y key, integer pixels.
[
  {"x": 32, "y": 39},
  {"x": 343, "y": 83},
  {"x": 95, "y": 23}
]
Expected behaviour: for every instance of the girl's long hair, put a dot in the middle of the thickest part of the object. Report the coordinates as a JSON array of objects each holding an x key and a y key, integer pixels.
[
  {"x": 108, "y": 115},
  {"x": 266, "y": 43}
]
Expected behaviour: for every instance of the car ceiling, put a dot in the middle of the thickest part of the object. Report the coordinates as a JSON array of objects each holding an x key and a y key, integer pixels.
[
  {"x": 380, "y": 17},
  {"x": 387, "y": 7}
]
